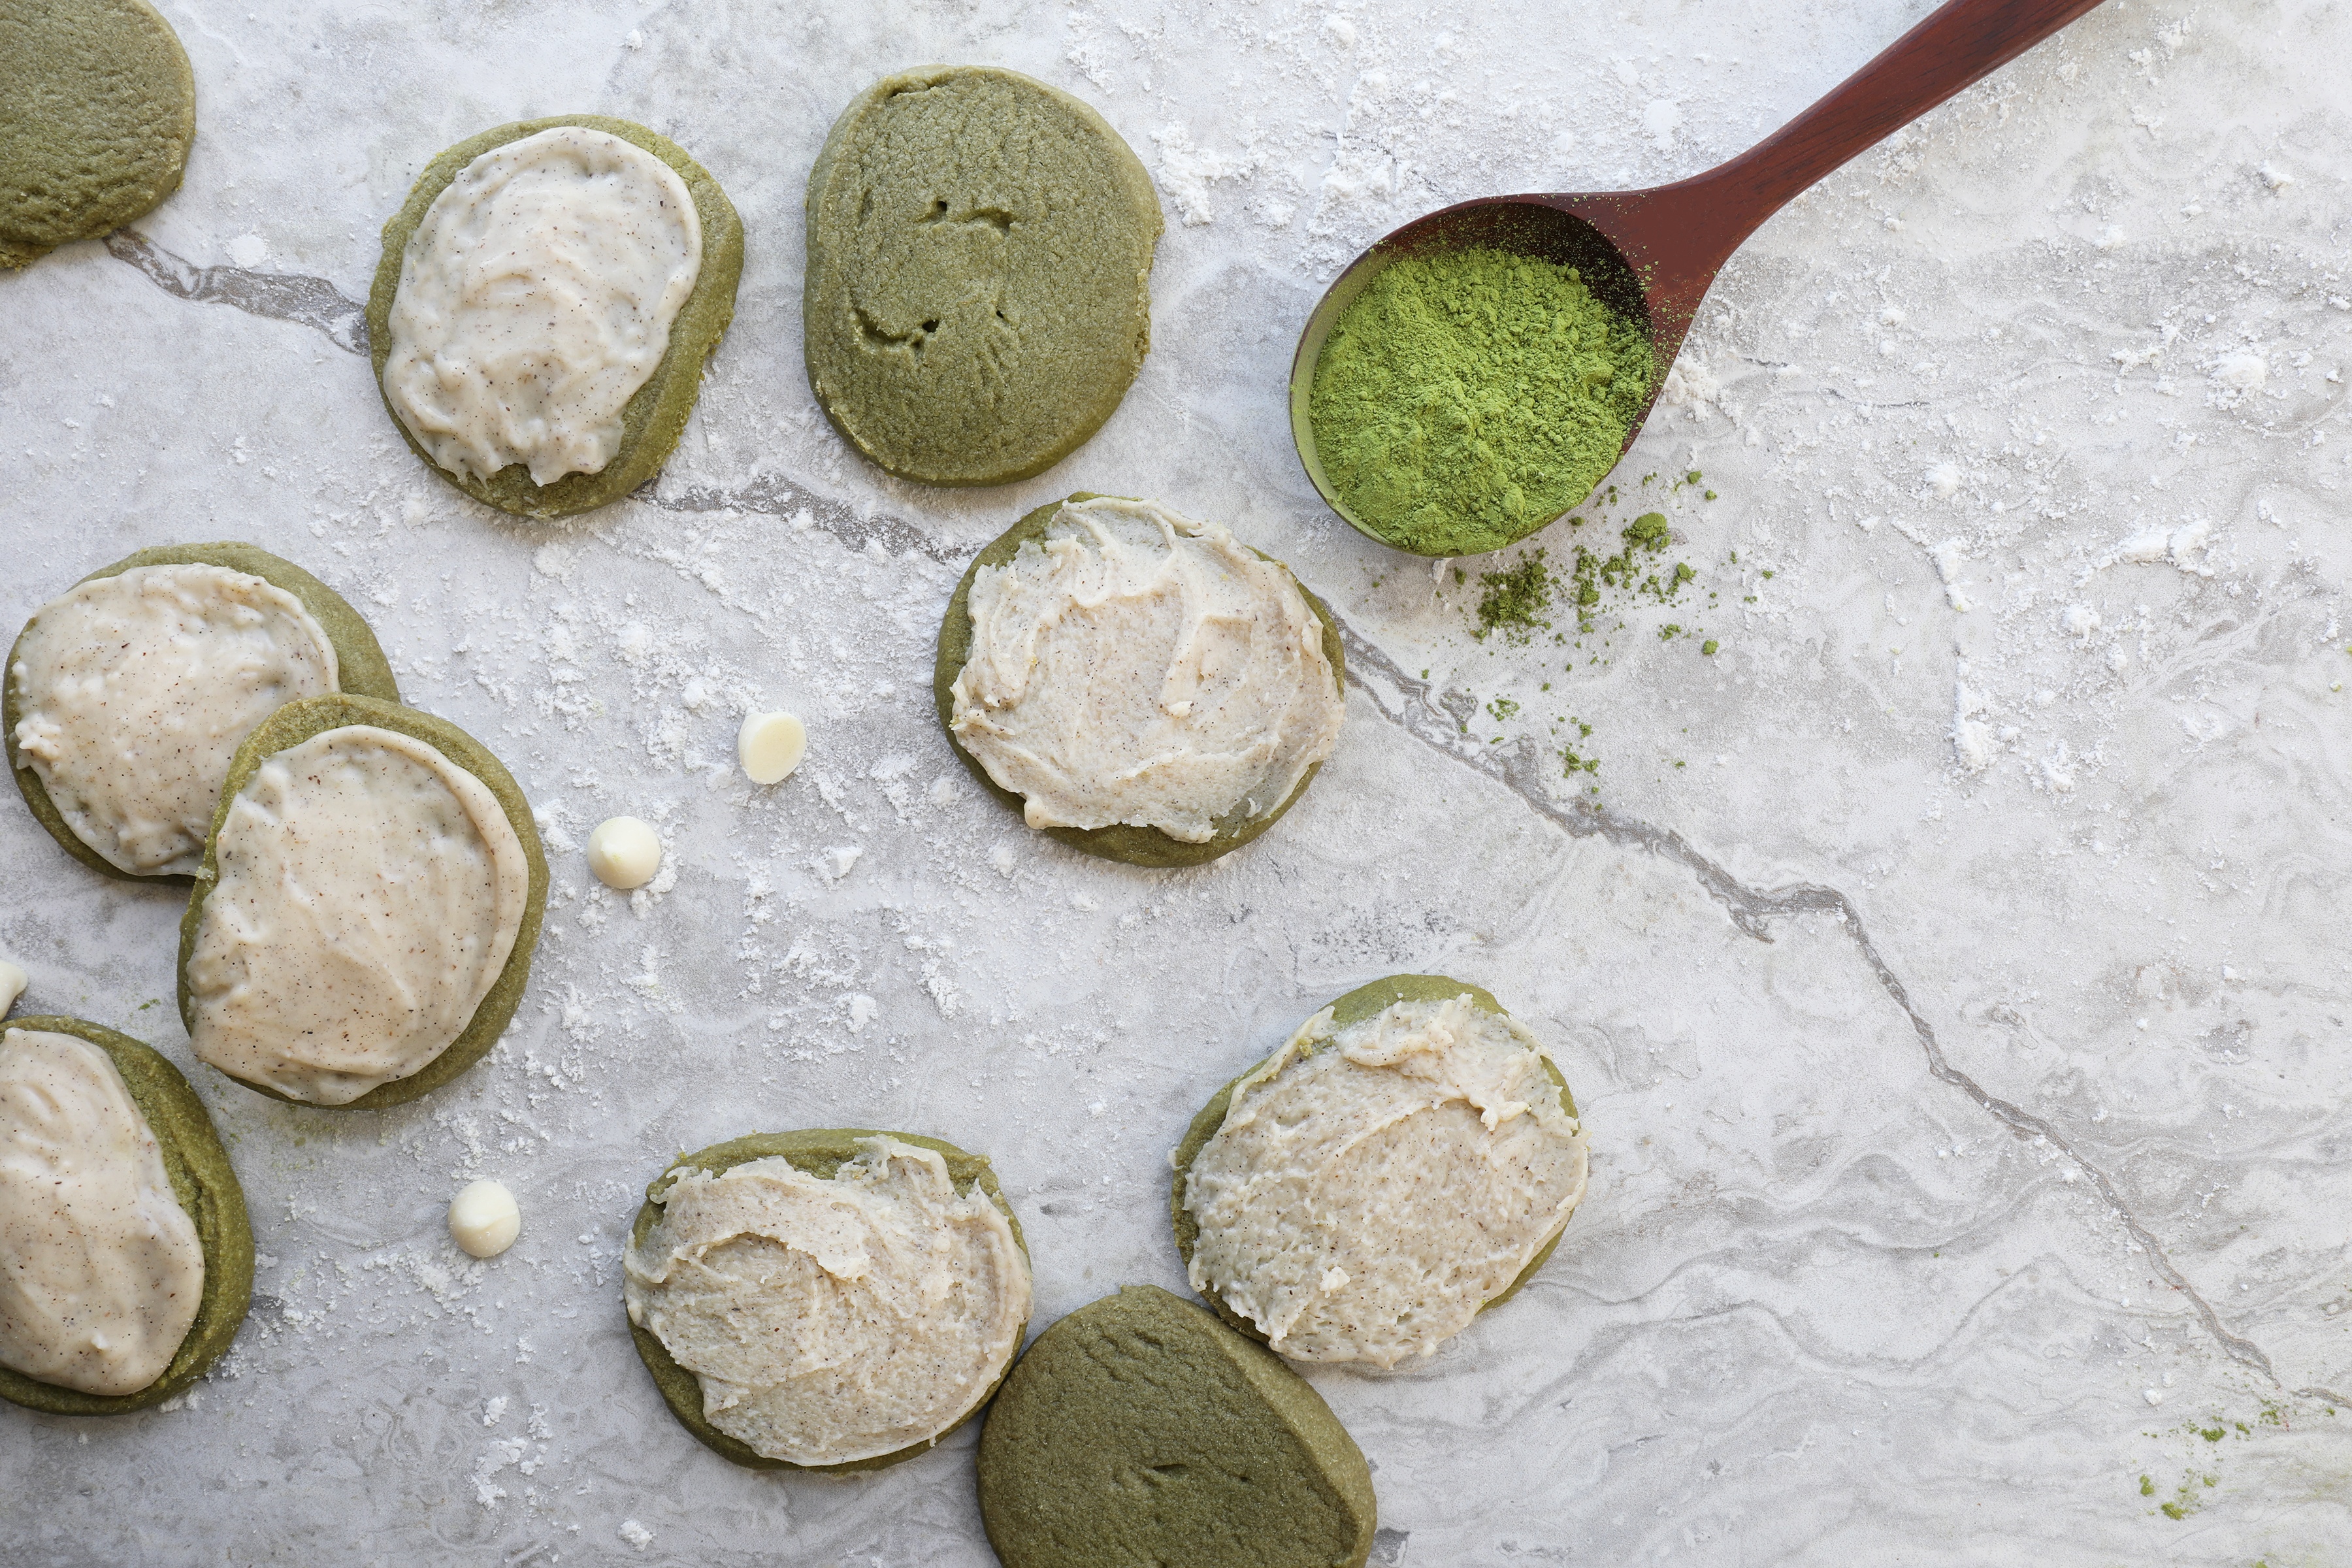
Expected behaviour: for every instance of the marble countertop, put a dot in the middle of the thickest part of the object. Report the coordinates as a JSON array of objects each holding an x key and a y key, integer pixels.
[{"x": 1952, "y": 968}]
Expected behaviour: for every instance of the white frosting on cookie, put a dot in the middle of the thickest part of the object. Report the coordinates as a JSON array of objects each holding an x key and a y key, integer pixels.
[
  {"x": 371, "y": 890},
  {"x": 101, "y": 1270},
  {"x": 134, "y": 691},
  {"x": 535, "y": 298},
  {"x": 1371, "y": 1188},
  {"x": 829, "y": 1320},
  {"x": 1137, "y": 668}
]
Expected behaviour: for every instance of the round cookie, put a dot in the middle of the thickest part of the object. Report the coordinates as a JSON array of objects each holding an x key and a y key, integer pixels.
[
  {"x": 977, "y": 298},
  {"x": 98, "y": 106},
  {"x": 1357, "y": 1006},
  {"x": 207, "y": 1186},
  {"x": 1122, "y": 842},
  {"x": 1140, "y": 1429},
  {"x": 820, "y": 1151},
  {"x": 657, "y": 413},
  {"x": 299, "y": 722},
  {"x": 360, "y": 667}
]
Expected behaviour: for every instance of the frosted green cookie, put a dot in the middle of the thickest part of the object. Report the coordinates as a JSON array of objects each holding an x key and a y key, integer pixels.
[
  {"x": 361, "y": 666},
  {"x": 1140, "y": 1431},
  {"x": 1357, "y": 1006},
  {"x": 96, "y": 108},
  {"x": 1134, "y": 846},
  {"x": 657, "y": 413},
  {"x": 979, "y": 255},
  {"x": 290, "y": 727},
  {"x": 206, "y": 1187},
  {"x": 820, "y": 1153}
]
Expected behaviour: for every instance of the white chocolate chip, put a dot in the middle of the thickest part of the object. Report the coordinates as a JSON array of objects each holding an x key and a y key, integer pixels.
[
  {"x": 484, "y": 1220},
  {"x": 771, "y": 746},
  {"x": 13, "y": 981},
  {"x": 624, "y": 853}
]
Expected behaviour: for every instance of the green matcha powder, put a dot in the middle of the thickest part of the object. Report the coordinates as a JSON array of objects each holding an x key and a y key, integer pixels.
[{"x": 1467, "y": 398}]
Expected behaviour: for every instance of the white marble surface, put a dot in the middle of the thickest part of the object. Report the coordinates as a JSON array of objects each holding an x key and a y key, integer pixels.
[{"x": 1964, "y": 1136}]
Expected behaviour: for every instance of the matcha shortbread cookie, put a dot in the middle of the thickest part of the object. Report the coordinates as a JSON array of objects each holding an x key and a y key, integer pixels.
[
  {"x": 545, "y": 305},
  {"x": 1137, "y": 686},
  {"x": 126, "y": 1259},
  {"x": 1140, "y": 1431},
  {"x": 1407, "y": 1161},
  {"x": 830, "y": 1300},
  {"x": 96, "y": 108},
  {"x": 978, "y": 257},
  {"x": 127, "y": 696},
  {"x": 362, "y": 924}
]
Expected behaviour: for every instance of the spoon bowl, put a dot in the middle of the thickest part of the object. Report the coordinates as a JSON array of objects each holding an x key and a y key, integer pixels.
[
  {"x": 1546, "y": 227},
  {"x": 1650, "y": 255}
]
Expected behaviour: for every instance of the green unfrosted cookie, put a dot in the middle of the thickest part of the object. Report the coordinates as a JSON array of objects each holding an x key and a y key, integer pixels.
[
  {"x": 1122, "y": 842},
  {"x": 360, "y": 665},
  {"x": 820, "y": 1151},
  {"x": 978, "y": 256},
  {"x": 206, "y": 1184},
  {"x": 1140, "y": 1431},
  {"x": 657, "y": 413},
  {"x": 96, "y": 108},
  {"x": 299, "y": 722},
  {"x": 1357, "y": 1006}
]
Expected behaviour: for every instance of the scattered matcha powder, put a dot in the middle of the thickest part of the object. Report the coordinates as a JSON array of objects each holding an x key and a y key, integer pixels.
[
  {"x": 1465, "y": 398},
  {"x": 1577, "y": 764},
  {"x": 1514, "y": 599},
  {"x": 1648, "y": 531},
  {"x": 2196, "y": 1481},
  {"x": 1625, "y": 570}
]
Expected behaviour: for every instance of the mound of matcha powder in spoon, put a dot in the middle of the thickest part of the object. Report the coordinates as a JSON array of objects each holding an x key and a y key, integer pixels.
[{"x": 1467, "y": 397}]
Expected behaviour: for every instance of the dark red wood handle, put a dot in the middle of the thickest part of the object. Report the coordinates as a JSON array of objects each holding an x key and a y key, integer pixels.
[
  {"x": 1956, "y": 46},
  {"x": 1677, "y": 237}
]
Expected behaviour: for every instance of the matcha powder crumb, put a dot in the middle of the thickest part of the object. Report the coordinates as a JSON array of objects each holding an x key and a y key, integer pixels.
[
  {"x": 1513, "y": 601},
  {"x": 1467, "y": 398}
]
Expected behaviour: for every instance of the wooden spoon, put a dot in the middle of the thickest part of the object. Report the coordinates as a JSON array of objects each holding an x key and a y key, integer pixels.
[{"x": 1651, "y": 254}]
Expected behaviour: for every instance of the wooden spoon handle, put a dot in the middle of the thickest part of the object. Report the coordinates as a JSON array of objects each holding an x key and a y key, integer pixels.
[
  {"x": 1677, "y": 237},
  {"x": 1959, "y": 44}
]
